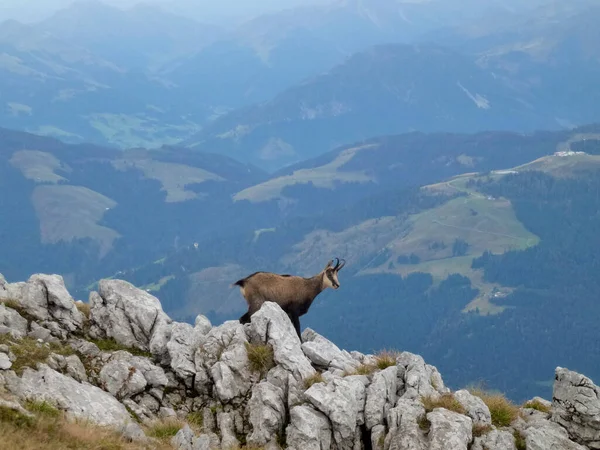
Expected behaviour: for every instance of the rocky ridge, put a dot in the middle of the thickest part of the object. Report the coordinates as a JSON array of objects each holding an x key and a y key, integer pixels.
[{"x": 120, "y": 361}]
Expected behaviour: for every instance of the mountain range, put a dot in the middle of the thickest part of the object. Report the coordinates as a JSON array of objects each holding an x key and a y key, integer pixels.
[{"x": 145, "y": 78}]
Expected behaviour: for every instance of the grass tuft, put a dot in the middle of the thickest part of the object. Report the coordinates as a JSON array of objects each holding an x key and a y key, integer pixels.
[
  {"x": 164, "y": 430},
  {"x": 424, "y": 423},
  {"x": 50, "y": 430},
  {"x": 446, "y": 401},
  {"x": 313, "y": 379},
  {"x": 29, "y": 352},
  {"x": 110, "y": 345},
  {"x": 196, "y": 420},
  {"x": 537, "y": 405},
  {"x": 11, "y": 418},
  {"x": 84, "y": 308},
  {"x": 385, "y": 359},
  {"x": 42, "y": 408},
  {"x": 520, "y": 442},
  {"x": 480, "y": 430},
  {"x": 502, "y": 410},
  {"x": 261, "y": 357}
]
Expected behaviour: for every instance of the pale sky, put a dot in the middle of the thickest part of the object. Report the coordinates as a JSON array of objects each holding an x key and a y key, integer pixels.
[{"x": 211, "y": 10}]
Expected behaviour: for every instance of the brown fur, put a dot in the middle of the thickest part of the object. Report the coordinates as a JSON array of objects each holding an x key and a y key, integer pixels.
[{"x": 294, "y": 294}]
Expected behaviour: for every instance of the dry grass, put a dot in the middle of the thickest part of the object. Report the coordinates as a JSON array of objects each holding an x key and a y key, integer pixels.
[
  {"x": 29, "y": 352},
  {"x": 313, "y": 379},
  {"x": 502, "y": 410},
  {"x": 519, "y": 441},
  {"x": 261, "y": 357},
  {"x": 110, "y": 345},
  {"x": 164, "y": 430},
  {"x": 446, "y": 401},
  {"x": 84, "y": 308},
  {"x": 424, "y": 423},
  {"x": 383, "y": 360},
  {"x": 49, "y": 430},
  {"x": 537, "y": 405},
  {"x": 196, "y": 420},
  {"x": 480, "y": 430}
]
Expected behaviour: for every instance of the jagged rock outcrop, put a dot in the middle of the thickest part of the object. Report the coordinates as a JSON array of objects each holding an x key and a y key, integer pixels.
[
  {"x": 130, "y": 316},
  {"x": 576, "y": 406},
  {"x": 255, "y": 384}
]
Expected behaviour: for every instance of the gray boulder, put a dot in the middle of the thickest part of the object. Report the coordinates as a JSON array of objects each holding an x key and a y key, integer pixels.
[
  {"x": 326, "y": 354},
  {"x": 475, "y": 407},
  {"x": 12, "y": 323},
  {"x": 129, "y": 315},
  {"x": 182, "y": 346},
  {"x": 46, "y": 298},
  {"x": 5, "y": 362},
  {"x": 381, "y": 396},
  {"x": 576, "y": 406},
  {"x": 222, "y": 354},
  {"x": 418, "y": 379},
  {"x": 403, "y": 422},
  {"x": 495, "y": 440},
  {"x": 267, "y": 413},
  {"x": 10, "y": 291},
  {"x": 546, "y": 435},
  {"x": 79, "y": 400},
  {"x": 449, "y": 430},
  {"x": 308, "y": 429},
  {"x": 126, "y": 375},
  {"x": 271, "y": 325},
  {"x": 343, "y": 402}
]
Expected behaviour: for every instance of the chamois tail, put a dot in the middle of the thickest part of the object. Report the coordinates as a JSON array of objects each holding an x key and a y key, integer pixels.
[{"x": 239, "y": 283}]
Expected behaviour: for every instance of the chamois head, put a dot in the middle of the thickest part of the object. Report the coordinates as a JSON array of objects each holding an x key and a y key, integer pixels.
[{"x": 330, "y": 274}]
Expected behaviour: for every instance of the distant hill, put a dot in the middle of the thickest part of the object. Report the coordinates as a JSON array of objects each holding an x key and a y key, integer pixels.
[
  {"x": 386, "y": 89},
  {"x": 140, "y": 38},
  {"x": 86, "y": 210}
]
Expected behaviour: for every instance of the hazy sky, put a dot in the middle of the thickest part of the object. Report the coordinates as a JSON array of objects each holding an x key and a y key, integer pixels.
[{"x": 212, "y": 10}]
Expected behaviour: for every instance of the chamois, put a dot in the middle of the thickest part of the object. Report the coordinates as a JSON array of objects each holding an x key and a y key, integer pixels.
[{"x": 293, "y": 293}]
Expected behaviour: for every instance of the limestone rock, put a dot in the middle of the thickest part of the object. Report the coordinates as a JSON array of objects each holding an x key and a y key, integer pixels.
[
  {"x": 75, "y": 368},
  {"x": 271, "y": 325},
  {"x": 475, "y": 407},
  {"x": 381, "y": 396},
  {"x": 222, "y": 353},
  {"x": 10, "y": 291},
  {"x": 181, "y": 351},
  {"x": 343, "y": 402},
  {"x": 495, "y": 440},
  {"x": 326, "y": 354},
  {"x": 405, "y": 433},
  {"x": 46, "y": 298},
  {"x": 126, "y": 375},
  {"x": 5, "y": 362},
  {"x": 267, "y": 412},
  {"x": 12, "y": 323},
  {"x": 226, "y": 425},
  {"x": 121, "y": 379},
  {"x": 308, "y": 429},
  {"x": 418, "y": 379},
  {"x": 131, "y": 316},
  {"x": 15, "y": 407},
  {"x": 449, "y": 430},
  {"x": 79, "y": 400},
  {"x": 576, "y": 406},
  {"x": 546, "y": 435}
]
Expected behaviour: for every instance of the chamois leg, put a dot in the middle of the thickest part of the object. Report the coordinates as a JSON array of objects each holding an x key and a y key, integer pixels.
[
  {"x": 245, "y": 318},
  {"x": 296, "y": 323}
]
